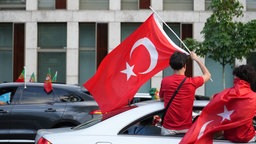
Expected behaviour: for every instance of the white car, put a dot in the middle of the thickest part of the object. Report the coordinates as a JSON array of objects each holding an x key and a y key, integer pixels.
[{"x": 117, "y": 127}]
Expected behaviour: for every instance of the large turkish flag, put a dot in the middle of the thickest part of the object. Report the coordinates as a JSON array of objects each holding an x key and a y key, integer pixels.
[{"x": 133, "y": 62}]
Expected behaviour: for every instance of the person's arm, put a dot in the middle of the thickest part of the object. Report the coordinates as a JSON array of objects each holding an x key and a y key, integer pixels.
[
  {"x": 206, "y": 74},
  {"x": 161, "y": 95}
]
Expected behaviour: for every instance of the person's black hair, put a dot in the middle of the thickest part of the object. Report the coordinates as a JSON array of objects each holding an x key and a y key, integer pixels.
[
  {"x": 246, "y": 73},
  {"x": 178, "y": 60}
]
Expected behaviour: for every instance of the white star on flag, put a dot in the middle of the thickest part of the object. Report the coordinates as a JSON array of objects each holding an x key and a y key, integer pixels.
[
  {"x": 128, "y": 71},
  {"x": 226, "y": 114}
]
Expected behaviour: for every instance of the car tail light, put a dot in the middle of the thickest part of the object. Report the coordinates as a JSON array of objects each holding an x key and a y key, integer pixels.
[
  {"x": 43, "y": 141},
  {"x": 96, "y": 112}
]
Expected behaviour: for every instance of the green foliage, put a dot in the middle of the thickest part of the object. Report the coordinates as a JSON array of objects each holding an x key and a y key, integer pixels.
[
  {"x": 194, "y": 45},
  {"x": 224, "y": 38},
  {"x": 250, "y": 33}
]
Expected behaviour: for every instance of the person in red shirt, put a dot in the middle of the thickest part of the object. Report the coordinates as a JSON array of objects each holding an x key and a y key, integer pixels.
[
  {"x": 244, "y": 76},
  {"x": 178, "y": 117},
  {"x": 229, "y": 115}
]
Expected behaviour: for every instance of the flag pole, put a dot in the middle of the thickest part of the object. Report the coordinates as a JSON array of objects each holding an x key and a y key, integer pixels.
[
  {"x": 172, "y": 31},
  {"x": 25, "y": 86}
]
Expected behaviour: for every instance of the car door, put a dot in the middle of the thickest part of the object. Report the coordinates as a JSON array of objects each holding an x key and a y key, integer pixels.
[
  {"x": 6, "y": 94},
  {"x": 35, "y": 110},
  {"x": 4, "y": 122},
  {"x": 78, "y": 109}
]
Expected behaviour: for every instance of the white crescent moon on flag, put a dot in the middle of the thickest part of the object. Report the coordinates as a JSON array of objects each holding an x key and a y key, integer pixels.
[
  {"x": 203, "y": 129},
  {"x": 152, "y": 52}
]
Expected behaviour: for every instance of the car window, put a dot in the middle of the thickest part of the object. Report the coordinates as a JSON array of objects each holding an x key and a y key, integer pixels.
[
  {"x": 102, "y": 117},
  {"x": 86, "y": 95},
  {"x": 148, "y": 125},
  {"x": 6, "y": 94},
  {"x": 66, "y": 96},
  {"x": 151, "y": 124},
  {"x": 32, "y": 95}
]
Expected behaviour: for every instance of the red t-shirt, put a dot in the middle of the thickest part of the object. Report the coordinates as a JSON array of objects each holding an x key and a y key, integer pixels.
[{"x": 179, "y": 114}]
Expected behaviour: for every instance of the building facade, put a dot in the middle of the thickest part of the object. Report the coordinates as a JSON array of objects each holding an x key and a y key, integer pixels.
[{"x": 73, "y": 36}]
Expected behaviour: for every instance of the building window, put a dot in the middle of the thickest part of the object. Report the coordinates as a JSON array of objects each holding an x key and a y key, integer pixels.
[
  {"x": 207, "y": 4},
  {"x": 93, "y": 45},
  {"x": 52, "y": 39},
  {"x": 94, "y": 4},
  {"x": 183, "y": 31},
  {"x": 250, "y": 5},
  {"x": 12, "y": 4},
  {"x": 87, "y": 51},
  {"x": 126, "y": 30},
  {"x": 6, "y": 34},
  {"x": 184, "y": 5},
  {"x": 52, "y": 35},
  {"x": 11, "y": 51},
  {"x": 51, "y": 4},
  {"x": 135, "y": 4}
]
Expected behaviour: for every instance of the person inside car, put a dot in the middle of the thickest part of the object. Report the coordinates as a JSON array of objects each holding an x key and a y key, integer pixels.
[
  {"x": 178, "y": 118},
  {"x": 145, "y": 127}
]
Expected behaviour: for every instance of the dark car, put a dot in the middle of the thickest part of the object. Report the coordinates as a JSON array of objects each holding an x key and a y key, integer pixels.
[{"x": 29, "y": 108}]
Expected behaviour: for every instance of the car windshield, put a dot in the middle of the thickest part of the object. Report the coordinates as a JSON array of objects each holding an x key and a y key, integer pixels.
[{"x": 102, "y": 117}]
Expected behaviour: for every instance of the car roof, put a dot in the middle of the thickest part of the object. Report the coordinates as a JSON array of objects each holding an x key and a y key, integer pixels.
[{"x": 57, "y": 85}]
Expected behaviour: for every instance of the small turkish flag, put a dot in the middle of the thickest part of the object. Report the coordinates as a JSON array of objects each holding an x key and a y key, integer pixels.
[
  {"x": 121, "y": 73},
  {"x": 230, "y": 110}
]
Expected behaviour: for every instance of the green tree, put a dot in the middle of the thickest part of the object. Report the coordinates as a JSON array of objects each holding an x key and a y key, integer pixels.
[{"x": 225, "y": 38}]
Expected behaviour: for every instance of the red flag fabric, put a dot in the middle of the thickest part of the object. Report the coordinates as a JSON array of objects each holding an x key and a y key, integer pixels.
[
  {"x": 21, "y": 77},
  {"x": 230, "y": 109},
  {"x": 134, "y": 61},
  {"x": 48, "y": 82}
]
